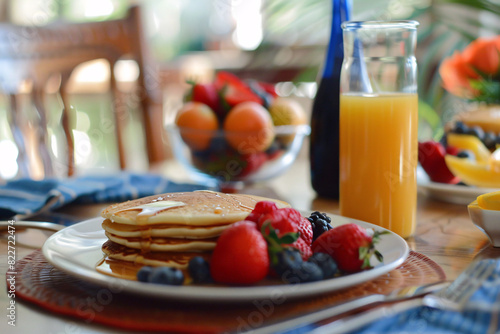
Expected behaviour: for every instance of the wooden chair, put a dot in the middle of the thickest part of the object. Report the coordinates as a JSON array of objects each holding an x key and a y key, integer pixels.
[{"x": 35, "y": 54}]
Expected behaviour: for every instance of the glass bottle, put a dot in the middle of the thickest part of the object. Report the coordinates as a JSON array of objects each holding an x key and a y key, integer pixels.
[
  {"x": 324, "y": 139},
  {"x": 379, "y": 124}
]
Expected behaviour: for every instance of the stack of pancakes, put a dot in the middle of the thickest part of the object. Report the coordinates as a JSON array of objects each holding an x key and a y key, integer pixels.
[{"x": 170, "y": 229}]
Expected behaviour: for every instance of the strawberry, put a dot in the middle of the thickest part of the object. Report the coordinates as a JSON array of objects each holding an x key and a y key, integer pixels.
[
  {"x": 241, "y": 255},
  {"x": 304, "y": 248},
  {"x": 305, "y": 230},
  {"x": 452, "y": 150},
  {"x": 204, "y": 93},
  {"x": 234, "y": 91},
  {"x": 350, "y": 245},
  {"x": 268, "y": 88},
  {"x": 252, "y": 162},
  {"x": 280, "y": 220},
  {"x": 431, "y": 157}
]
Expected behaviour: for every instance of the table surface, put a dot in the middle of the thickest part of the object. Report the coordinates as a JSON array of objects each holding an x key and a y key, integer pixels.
[{"x": 444, "y": 233}]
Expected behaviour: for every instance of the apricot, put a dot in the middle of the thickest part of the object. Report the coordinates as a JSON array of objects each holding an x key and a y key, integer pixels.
[
  {"x": 197, "y": 124},
  {"x": 285, "y": 111},
  {"x": 248, "y": 128}
]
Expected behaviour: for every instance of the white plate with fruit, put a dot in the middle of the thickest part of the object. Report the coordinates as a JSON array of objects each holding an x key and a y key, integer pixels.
[
  {"x": 465, "y": 166},
  {"x": 450, "y": 193},
  {"x": 77, "y": 250}
]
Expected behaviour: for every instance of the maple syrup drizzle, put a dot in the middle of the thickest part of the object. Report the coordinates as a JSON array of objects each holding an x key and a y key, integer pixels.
[
  {"x": 149, "y": 210},
  {"x": 228, "y": 198}
]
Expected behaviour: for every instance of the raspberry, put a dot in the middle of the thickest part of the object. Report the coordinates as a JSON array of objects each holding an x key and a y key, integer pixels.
[{"x": 260, "y": 209}]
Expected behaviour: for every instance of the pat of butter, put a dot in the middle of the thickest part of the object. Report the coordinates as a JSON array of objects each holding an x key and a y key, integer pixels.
[{"x": 489, "y": 201}]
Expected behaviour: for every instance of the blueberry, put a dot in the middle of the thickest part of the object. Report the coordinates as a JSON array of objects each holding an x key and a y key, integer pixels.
[
  {"x": 490, "y": 140},
  {"x": 144, "y": 273},
  {"x": 199, "y": 269},
  {"x": 305, "y": 272},
  {"x": 476, "y": 131},
  {"x": 325, "y": 262},
  {"x": 466, "y": 154},
  {"x": 460, "y": 128},
  {"x": 274, "y": 148},
  {"x": 167, "y": 276},
  {"x": 287, "y": 260},
  {"x": 217, "y": 144},
  {"x": 444, "y": 140}
]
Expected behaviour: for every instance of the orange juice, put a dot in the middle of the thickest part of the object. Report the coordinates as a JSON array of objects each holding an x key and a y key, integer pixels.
[{"x": 378, "y": 159}]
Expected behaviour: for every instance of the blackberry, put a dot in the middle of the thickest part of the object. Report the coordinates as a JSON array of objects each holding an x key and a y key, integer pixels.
[
  {"x": 199, "y": 269},
  {"x": 320, "y": 223},
  {"x": 325, "y": 262},
  {"x": 144, "y": 274},
  {"x": 167, "y": 276}
]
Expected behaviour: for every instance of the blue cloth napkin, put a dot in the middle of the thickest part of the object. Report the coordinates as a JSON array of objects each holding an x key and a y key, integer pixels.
[
  {"x": 481, "y": 315},
  {"x": 27, "y": 197}
]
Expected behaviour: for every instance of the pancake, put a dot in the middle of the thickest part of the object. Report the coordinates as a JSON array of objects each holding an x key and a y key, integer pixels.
[
  {"x": 165, "y": 244},
  {"x": 163, "y": 230},
  {"x": 170, "y": 229},
  {"x": 178, "y": 260},
  {"x": 198, "y": 208}
]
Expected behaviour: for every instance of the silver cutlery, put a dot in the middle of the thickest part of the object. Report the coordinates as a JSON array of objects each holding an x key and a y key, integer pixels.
[
  {"x": 445, "y": 295},
  {"x": 351, "y": 305},
  {"x": 31, "y": 224},
  {"x": 453, "y": 298}
]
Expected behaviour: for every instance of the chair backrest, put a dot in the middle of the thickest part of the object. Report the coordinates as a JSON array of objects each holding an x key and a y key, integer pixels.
[{"x": 34, "y": 54}]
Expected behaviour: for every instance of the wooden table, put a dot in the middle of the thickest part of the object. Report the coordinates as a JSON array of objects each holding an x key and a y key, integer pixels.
[{"x": 444, "y": 233}]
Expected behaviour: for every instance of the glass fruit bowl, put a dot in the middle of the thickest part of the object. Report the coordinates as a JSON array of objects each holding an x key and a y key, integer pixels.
[{"x": 228, "y": 158}]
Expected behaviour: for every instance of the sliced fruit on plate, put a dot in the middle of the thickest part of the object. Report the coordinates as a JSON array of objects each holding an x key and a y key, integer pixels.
[
  {"x": 473, "y": 173},
  {"x": 470, "y": 143}
]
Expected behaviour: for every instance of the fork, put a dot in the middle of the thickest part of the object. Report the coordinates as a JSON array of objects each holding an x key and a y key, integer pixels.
[
  {"x": 4, "y": 224},
  {"x": 351, "y": 305},
  {"x": 452, "y": 298}
]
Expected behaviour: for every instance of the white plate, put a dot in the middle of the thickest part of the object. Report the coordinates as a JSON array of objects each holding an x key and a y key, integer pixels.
[
  {"x": 77, "y": 249},
  {"x": 451, "y": 193}
]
